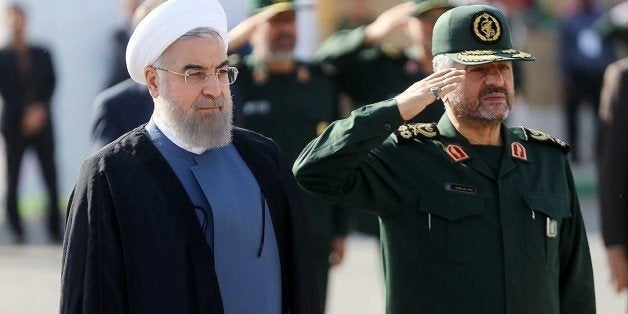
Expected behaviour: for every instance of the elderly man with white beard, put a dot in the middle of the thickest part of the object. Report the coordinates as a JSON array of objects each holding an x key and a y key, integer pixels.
[{"x": 187, "y": 214}]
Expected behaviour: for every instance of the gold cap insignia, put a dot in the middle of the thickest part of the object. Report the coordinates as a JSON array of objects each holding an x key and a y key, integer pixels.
[
  {"x": 486, "y": 28},
  {"x": 518, "y": 151},
  {"x": 456, "y": 153}
]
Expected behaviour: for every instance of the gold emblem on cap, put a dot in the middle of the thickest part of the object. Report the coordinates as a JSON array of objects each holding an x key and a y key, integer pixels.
[{"x": 487, "y": 28}]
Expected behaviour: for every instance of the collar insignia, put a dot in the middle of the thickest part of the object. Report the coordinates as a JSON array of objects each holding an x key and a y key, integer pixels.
[
  {"x": 486, "y": 28},
  {"x": 518, "y": 151},
  {"x": 456, "y": 153}
]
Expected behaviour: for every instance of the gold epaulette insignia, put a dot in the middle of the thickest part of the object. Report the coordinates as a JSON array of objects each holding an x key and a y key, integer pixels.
[
  {"x": 410, "y": 131},
  {"x": 539, "y": 136}
]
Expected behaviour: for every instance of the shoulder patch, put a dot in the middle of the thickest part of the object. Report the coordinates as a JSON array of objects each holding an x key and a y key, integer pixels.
[
  {"x": 410, "y": 131},
  {"x": 532, "y": 135}
]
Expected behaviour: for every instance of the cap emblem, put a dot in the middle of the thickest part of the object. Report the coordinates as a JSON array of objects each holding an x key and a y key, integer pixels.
[{"x": 486, "y": 28}]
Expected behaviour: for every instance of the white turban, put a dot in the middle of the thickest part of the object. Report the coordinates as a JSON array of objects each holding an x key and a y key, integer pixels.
[{"x": 165, "y": 24}]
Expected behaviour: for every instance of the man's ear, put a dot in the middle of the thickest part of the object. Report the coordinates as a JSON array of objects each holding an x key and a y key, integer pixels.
[{"x": 151, "y": 81}]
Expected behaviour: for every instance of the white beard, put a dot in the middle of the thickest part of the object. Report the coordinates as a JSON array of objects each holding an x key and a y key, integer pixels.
[{"x": 203, "y": 130}]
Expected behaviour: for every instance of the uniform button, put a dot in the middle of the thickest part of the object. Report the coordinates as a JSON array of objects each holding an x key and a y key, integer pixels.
[{"x": 387, "y": 126}]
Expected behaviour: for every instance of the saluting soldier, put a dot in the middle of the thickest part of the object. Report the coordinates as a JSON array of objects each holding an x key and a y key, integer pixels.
[
  {"x": 475, "y": 217},
  {"x": 368, "y": 68},
  {"x": 290, "y": 101}
]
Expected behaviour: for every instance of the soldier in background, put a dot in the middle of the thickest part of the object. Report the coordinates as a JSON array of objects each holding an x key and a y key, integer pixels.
[{"x": 290, "y": 101}]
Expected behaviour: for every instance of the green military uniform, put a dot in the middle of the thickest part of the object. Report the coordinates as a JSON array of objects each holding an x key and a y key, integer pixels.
[
  {"x": 292, "y": 109},
  {"x": 464, "y": 228},
  {"x": 458, "y": 237}
]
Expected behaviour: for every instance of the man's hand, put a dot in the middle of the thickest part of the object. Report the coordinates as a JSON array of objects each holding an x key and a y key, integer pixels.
[
  {"x": 34, "y": 119},
  {"x": 618, "y": 262},
  {"x": 241, "y": 33},
  {"x": 389, "y": 20},
  {"x": 337, "y": 250},
  {"x": 424, "y": 92}
]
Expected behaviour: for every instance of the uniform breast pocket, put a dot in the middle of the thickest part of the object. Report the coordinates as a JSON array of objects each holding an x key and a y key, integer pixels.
[
  {"x": 542, "y": 226},
  {"x": 452, "y": 227}
]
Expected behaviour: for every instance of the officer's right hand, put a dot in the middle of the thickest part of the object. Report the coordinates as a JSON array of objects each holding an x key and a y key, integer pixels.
[
  {"x": 419, "y": 95},
  {"x": 389, "y": 20},
  {"x": 241, "y": 33}
]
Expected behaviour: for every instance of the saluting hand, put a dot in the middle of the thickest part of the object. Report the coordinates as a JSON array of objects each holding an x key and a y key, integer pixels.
[
  {"x": 241, "y": 33},
  {"x": 424, "y": 92},
  {"x": 388, "y": 21}
]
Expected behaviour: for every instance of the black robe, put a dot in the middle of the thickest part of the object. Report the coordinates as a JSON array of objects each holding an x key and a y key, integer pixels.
[{"x": 133, "y": 243}]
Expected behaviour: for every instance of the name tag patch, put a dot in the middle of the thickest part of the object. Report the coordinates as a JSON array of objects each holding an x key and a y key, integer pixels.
[{"x": 455, "y": 187}]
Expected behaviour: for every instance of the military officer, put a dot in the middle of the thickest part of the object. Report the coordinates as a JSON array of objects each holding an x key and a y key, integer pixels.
[
  {"x": 475, "y": 217},
  {"x": 291, "y": 102}
]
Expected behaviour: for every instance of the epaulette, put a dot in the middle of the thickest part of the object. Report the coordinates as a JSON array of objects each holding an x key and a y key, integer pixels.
[
  {"x": 533, "y": 135},
  {"x": 410, "y": 131}
]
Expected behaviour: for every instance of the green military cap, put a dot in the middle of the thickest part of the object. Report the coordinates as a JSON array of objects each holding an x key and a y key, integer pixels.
[
  {"x": 475, "y": 34},
  {"x": 426, "y": 5},
  {"x": 256, "y": 6}
]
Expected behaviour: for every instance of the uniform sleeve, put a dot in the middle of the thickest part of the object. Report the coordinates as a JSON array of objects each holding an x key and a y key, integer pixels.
[
  {"x": 339, "y": 51},
  {"x": 92, "y": 276},
  {"x": 340, "y": 165},
  {"x": 576, "y": 286}
]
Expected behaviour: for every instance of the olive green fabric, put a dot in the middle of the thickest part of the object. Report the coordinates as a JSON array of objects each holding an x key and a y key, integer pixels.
[
  {"x": 371, "y": 74},
  {"x": 457, "y": 238},
  {"x": 256, "y": 6},
  {"x": 475, "y": 34}
]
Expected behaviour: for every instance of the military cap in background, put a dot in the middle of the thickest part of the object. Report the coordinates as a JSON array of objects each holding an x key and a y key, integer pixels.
[
  {"x": 256, "y": 6},
  {"x": 475, "y": 34}
]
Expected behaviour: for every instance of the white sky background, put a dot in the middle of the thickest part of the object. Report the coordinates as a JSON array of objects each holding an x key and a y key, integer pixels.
[{"x": 78, "y": 33}]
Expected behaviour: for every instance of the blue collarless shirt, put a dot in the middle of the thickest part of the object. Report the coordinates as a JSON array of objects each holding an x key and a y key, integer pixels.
[{"x": 235, "y": 219}]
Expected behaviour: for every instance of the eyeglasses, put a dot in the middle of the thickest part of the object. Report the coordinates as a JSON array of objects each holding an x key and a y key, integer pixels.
[{"x": 194, "y": 77}]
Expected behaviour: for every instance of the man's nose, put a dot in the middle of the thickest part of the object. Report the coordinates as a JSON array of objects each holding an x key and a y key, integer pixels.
[
  {"x": 211, "y": 87},
  {"x": 494, "y": 77}
]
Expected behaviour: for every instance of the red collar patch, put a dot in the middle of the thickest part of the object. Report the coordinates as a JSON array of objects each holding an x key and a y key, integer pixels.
[
  {"x": 518, "y": 151},
  {"x": 456, "y": 153}
]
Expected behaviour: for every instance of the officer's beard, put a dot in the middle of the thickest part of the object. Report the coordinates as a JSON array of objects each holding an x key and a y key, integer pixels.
[
  {"x": 474, "y": 110},
  {"x": 197, "y": 128}
]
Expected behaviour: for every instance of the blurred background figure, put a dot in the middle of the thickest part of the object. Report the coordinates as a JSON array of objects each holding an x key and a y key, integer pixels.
[
  {"x": 355, "y": 13},
  {"x": 27, "y": 82},
  {"x": 290, "y": 101},
  {"x": 584, "y": 58},
  {"x": 127, "y": 104},
  {"x": 119, "y": 40},
  {"x": 613, "y": 154}
]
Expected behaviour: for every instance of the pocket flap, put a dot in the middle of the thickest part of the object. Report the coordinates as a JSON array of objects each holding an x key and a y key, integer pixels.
[
  {"x": 451, "y": 206},
  {"x": 555, "y": 207}
]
